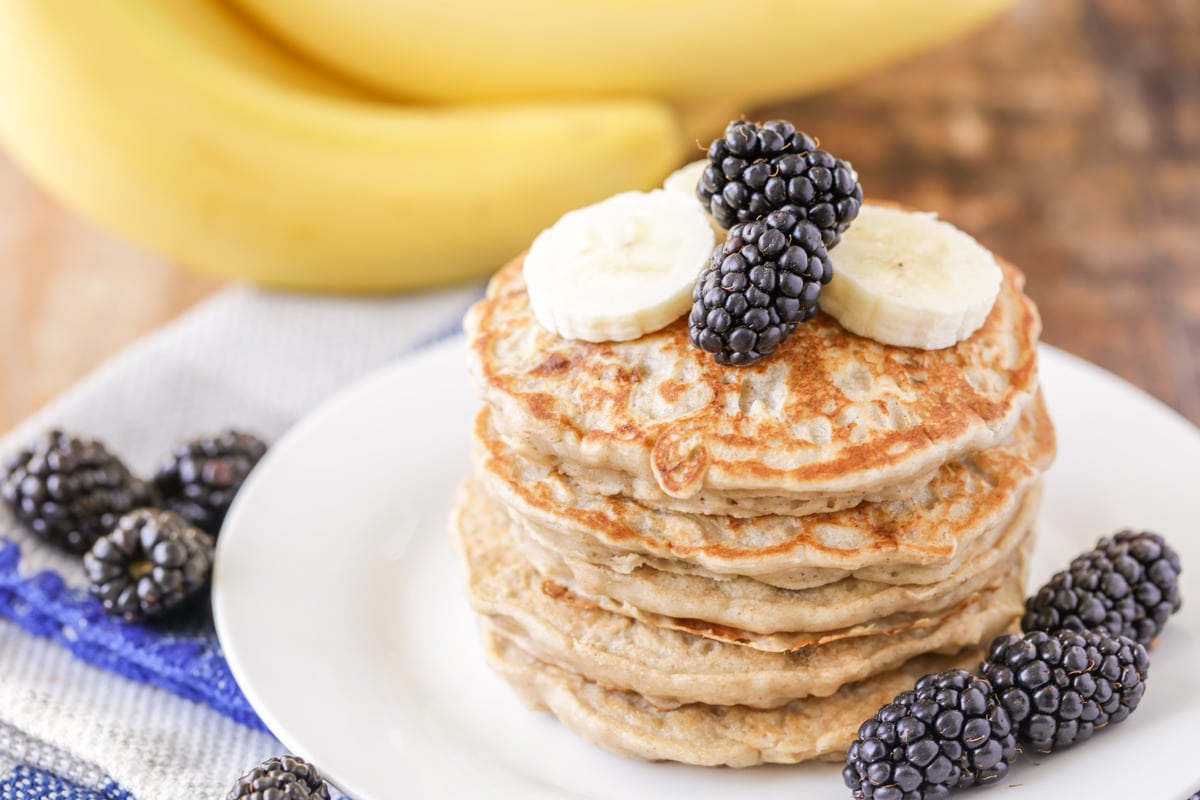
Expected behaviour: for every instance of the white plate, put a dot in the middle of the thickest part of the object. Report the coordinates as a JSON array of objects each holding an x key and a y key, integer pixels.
[{"x": 342, "y": 611}]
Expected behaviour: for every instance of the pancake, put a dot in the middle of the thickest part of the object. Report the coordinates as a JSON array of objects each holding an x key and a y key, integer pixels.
[
  {"x": 736, "y": 736},
  {"x": 830, "y": 418},
  {"x": 673, "y": 667},
  {"x": 922, "y": 538},
  {"x": 749, "y": 612}
]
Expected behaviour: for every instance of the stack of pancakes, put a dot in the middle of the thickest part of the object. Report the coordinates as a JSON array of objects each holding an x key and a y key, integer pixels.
[{"x": 722, "y": 565}]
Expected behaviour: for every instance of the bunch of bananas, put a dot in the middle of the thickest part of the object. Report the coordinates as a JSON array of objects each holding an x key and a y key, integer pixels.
[{"x": 355, "y": 145}]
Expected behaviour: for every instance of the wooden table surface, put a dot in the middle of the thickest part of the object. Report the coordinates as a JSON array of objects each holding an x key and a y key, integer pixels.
[{"x": 1065, "y": 136}]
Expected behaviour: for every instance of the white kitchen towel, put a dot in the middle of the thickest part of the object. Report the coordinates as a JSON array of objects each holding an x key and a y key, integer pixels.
[{"x": 247, "y": 359}]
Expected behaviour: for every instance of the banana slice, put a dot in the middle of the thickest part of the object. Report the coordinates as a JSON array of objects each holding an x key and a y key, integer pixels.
[
  {"x": 684, "y": 179},
  {"x": 906, "y": 278},
  {"x": 683, "y": 182},
  {"x": 620, "y": 268}
]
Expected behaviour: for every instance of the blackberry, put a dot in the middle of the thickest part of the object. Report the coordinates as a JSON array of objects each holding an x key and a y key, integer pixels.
[
  {"x": 756, "y": 169},
  {"x": 151, "y": 564},
  {"x": 1128, "y": 585},
  {"x": 1061, "y": 687},
  {"x": 762, "y": 282},
  {"x": 282, "y": 778},
  {"x": 947, "y": 733},
  {"x": 203, "y": 476},
  {"x": 71, "y": 491}
]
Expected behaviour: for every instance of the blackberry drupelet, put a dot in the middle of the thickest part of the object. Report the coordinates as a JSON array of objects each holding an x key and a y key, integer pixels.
[
  {"x": 756, "y": 169},
  {"x": 71, "y": 491},
  {"x": 1061, "y": 687},
  {"x": 151, "y": 564},
  {"x": 762, "y": 282},
  {"x": 282, "y": 778},
  {"x": 1128, "y": 585},
  {"x": 203, "y": 476},
  {"x": 947, "y": 733}
]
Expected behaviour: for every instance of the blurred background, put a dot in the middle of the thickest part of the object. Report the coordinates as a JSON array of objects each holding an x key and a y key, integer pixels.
[{"x": 1064, "y": 135}]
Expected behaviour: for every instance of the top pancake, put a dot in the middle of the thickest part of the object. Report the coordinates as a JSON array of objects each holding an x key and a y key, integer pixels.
[{"x": 829, "y": 416}]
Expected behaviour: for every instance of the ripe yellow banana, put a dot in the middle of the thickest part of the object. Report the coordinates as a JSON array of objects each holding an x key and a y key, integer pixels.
[
  {"x": 177, "y": 124},
  {"x": 689, "y": 50}
]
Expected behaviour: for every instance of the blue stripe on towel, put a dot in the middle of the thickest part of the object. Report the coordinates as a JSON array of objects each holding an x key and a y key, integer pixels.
[
  {"x": 28, "y": 783},
  {"x": 186, "y": 660}
]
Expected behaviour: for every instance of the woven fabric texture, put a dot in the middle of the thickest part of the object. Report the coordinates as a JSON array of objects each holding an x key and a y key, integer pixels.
[{"x": 93, "y": 707}]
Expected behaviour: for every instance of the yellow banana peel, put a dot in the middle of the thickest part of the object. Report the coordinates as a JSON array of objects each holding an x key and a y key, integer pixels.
[
  {"x": 757, "y": 51},
  {"x": 185, "y": 126},
  {"x": 174, "y": 123}
]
